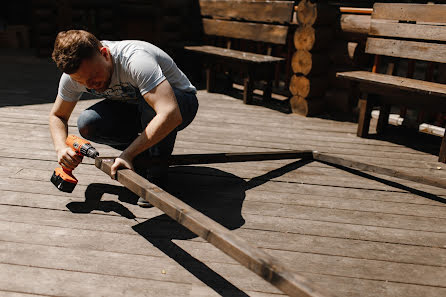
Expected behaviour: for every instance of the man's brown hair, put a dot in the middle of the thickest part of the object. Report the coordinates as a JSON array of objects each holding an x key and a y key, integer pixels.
[{"x": 72, "y": 47}]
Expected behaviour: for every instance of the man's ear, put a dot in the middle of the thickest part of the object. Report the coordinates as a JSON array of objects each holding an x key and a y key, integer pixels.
[{"x": 104, "y": 52}]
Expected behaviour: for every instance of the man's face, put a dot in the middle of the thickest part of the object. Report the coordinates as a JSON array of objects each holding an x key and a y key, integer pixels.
[{"x": 95, "y": 73}]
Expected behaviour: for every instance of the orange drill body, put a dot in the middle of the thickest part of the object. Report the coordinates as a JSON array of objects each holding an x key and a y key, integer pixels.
[{"x": 63, "y": 178}]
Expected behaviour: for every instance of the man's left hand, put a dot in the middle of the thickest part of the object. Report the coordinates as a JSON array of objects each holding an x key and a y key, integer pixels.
[{"x": 121, "y": 162}]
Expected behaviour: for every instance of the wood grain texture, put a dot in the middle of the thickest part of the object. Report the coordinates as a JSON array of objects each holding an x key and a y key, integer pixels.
[
  {"x": 243, "y": 30},
  {"x": 434, "y": 52},
  {"x": 258, "y": 11},
  {"x": 234, "y": 54},
  {"x": 412, "y": 31},
  {"x": 349, "y": 234},
  {"x": 408, "y": 84},
  {"x": 410, "y": 12},
  {"x": 382, "y": 170}
]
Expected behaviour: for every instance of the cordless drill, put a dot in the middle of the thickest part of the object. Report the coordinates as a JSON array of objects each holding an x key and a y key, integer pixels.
[{"x": 63, "y": 178}]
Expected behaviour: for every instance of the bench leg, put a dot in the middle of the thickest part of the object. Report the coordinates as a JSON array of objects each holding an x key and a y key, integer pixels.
[
  {"x": 210, "y": 80},
  {"x": 268, "y": 88},
  {"x": 267, "y": 91},
  {"x": 383, "y": 120},
  {"x": 365, "y": 115},
  {"x": 248, "y": 88},
  {"x": 442, "y": 154}
]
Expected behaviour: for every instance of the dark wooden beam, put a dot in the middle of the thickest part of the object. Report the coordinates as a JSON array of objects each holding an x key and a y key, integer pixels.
[
  {"x": 380, "y": 170},
  {"x": 266, "y": 266},
  {"x": 189, "y": 159}
]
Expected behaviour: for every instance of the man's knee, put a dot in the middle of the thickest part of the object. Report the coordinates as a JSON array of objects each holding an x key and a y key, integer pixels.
[{"x": 87, "y": 124}]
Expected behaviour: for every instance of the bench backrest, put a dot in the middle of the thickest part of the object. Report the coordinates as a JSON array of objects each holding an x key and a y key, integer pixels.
[
  {"x": 413, "y": 31},
  {"x": 251, "y": 20}
]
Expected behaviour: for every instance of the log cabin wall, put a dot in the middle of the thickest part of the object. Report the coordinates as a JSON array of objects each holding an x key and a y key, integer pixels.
[{"x": 313, "y": 39}]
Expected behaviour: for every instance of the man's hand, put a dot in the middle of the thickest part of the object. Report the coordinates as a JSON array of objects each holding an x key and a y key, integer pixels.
[
  {"x": 123, "y": 161},
  {"x": 68, "y": 158}
]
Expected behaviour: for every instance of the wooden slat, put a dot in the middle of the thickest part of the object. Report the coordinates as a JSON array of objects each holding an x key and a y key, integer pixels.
[
  {"x": 234, "y": 54},
  {"x": 425, "y": 51},
  {"x": 410, "y": 12},
  {"x": 252, "y": 31},
  {"x": 258, "y": 11},
  {"x": 402, "y": 83},
  {"x": 253, "y": 258},
  {"x": 380, "y": 170},
  {"x": 404, "y": 30}
]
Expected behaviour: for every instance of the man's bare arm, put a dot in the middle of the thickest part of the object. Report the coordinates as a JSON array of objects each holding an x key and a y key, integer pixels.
[
  {"x": 58, "y": 121},
  {"x": 168, "y": 117}
]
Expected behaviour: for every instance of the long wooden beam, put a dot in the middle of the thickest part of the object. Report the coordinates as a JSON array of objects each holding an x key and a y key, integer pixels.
[
  {"x": 436, "y": 182},
  {"x": 189, "y": 159},
  {"x": 266, "y": 266}
]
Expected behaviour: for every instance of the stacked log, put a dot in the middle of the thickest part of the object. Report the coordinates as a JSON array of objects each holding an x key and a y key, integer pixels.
[{"x": 310, "y": 62}]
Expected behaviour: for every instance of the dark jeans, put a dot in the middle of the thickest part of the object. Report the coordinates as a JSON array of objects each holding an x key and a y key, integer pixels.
[{"x": 118, "y": 123}]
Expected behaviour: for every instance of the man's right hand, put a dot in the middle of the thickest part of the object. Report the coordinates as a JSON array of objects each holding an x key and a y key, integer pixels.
[{"x": 68, "y": 158}]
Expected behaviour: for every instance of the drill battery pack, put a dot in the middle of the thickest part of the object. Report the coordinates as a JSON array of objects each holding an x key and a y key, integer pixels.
[{"x": 64, "y": 180}]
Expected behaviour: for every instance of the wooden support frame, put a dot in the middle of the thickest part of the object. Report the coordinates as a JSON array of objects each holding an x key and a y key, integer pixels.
[{"x": 266, "y": 266}]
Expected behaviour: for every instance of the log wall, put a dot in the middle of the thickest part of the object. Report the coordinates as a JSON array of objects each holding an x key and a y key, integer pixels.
[{"x": 310, "y": 62}]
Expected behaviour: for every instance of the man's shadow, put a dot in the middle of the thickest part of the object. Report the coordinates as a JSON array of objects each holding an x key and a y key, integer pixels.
[
  {"x": 93, "y": 196},
  {"x": 217, "y": 194}
]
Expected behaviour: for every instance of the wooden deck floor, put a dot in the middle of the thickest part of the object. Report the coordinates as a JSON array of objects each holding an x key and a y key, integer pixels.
[{"x": 351, "y": 234}]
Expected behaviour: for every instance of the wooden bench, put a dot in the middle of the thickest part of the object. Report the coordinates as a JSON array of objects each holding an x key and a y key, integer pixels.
[
  {"x": 411, "y": 31},
  {"x": 260, "y": 21}
]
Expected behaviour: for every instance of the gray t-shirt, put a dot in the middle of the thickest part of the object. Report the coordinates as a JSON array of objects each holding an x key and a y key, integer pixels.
[{"x": 138, "y": 67}]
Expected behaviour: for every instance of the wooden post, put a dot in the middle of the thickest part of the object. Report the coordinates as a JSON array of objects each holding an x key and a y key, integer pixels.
[
  {"x": 365, "y": 114},
  {"x": 248, "y": 88}
]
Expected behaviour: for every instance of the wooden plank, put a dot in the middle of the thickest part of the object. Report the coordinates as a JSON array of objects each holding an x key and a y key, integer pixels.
[
  {"x": 252, "y": 31},
  {"x": 410, "y": 12},
  {"x": 54, "y": 282},
  {"x": 51, "y": 257},
  {"x": 257, "y": 11},
  {"x": 424, "y": 51},
  {"x": 405, "y": 30},
  {"x": 402, "y": 83},
  {"x": 64, "y": 236},
  {"x": 283, "y": 225},
  {"x": 381, "y": 170},
  {"x": 234, "y": 54},
  {"x": 253, "y": 258},
  {"x": 133, "y": 265}
]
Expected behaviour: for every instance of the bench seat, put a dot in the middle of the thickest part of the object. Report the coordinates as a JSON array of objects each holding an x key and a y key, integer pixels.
[
  {"x": 234, "y": 54},
  {"x": 402, "y": 83}
]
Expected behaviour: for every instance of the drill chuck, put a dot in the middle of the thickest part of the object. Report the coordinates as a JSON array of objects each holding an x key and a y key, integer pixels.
[{"x": 89, "y": 151}]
